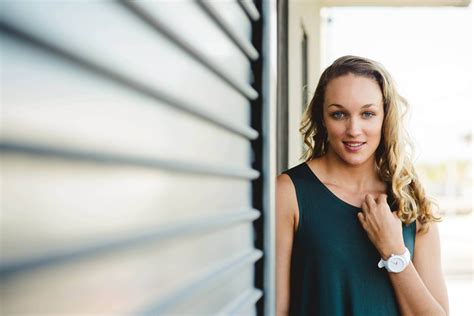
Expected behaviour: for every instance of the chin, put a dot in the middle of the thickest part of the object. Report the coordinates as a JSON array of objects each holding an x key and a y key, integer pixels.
[{"x": 354, "y": 160}]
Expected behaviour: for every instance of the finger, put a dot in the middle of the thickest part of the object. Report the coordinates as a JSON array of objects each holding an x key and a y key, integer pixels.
[
  {"x": 382, "y": 199},
  {"x": 369, "y": 199},
  {"x": 382, "y": 202},
  {"x": 361, "y": 218},
  {"x": 365, "y": 207}
]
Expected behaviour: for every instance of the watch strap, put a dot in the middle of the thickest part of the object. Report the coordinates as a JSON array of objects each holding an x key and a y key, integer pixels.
[{"x": 406, "y": 256}]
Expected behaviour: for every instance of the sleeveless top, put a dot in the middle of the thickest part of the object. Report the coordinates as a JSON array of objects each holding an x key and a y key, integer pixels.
[{"x": 333, "y": 263}]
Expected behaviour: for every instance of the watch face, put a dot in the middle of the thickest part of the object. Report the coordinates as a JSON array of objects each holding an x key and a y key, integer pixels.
[{"x": 396, "y": 264}]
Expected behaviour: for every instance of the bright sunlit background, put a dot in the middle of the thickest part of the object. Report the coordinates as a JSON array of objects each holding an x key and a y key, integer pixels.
[{"x": 429, "y": 53}]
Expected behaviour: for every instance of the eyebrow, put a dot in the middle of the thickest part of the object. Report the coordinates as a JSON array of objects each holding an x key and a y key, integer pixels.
[{"x": 340, "y": 106}]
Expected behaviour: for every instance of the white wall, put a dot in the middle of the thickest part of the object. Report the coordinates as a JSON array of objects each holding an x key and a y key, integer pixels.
[{"x": 302, "y": 14}]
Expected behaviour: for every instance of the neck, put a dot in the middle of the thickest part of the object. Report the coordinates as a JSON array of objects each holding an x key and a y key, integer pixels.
[{"x": 357, "y": 177}]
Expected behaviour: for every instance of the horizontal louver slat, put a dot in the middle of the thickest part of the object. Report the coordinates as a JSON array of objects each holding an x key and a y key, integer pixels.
[
  {"x": 132, "y": 280},
  {"x": 144, "y": 89},
  {"x": 244, "y": 89},
  {"x": 232, "y": 265},
  {"x": 244, "y": 45},
  {"x": 249, "y": 7},
  {"x": 126, "y": 157}
]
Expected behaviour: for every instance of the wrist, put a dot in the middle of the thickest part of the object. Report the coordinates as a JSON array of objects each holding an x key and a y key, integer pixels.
[
  {"x": 395, "y": 250},
  {"x": 396, "y": 263}
]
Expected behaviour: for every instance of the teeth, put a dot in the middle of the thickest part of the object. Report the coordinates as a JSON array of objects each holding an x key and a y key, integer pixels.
[{"x": 354, "y": 145}]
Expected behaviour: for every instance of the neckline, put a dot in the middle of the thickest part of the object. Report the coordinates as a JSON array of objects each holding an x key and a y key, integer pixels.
[{"x": 332, "y": 194}]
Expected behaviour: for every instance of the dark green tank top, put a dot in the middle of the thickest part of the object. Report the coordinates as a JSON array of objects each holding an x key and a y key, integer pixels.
[{"x": 334, "y": 264}]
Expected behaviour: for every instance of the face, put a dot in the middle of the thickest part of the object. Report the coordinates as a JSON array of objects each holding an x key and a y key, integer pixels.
[{"x": 353, "y": 116}]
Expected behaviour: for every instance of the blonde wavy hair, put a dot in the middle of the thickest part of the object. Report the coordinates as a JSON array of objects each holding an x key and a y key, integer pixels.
[{"x": 392, "y": 156}]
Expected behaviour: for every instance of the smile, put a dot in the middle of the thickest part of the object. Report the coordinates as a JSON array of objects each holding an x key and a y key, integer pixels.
[{"x": 353, "y": 146}]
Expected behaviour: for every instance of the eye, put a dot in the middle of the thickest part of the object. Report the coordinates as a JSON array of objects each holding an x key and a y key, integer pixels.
[
  {"x": 337, "y": 115},
  {"x": 368, "y": 115}
]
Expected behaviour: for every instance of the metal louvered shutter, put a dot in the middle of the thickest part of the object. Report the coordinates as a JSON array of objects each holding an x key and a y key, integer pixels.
[{"x": 127, "y": 183}]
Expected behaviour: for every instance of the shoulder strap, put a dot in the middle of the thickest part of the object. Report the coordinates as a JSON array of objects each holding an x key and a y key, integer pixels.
[{"x": 299, "y": 172}]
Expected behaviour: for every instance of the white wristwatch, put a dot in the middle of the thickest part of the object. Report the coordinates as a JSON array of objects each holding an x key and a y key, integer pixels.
[{"x": 396, "y": 263}]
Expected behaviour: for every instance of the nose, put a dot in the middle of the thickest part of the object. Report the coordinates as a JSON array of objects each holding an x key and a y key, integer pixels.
[{"x": 354, "y": 127}]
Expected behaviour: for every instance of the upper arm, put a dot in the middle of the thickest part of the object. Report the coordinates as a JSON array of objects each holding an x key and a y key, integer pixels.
[
  {"x": 286, "y": 207},
  {"x": 427, "y": 262}
]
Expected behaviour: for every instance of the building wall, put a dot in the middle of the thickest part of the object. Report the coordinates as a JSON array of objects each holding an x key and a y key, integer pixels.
[{"x": 303, "y": 18}]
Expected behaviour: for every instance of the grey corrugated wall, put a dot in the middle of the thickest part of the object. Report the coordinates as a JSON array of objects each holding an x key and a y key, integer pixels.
[{"x": 126, "y": 179}]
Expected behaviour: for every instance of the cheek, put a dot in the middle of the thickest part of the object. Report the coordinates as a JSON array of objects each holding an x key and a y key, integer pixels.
[
  {"x": 333, "y": 128},
  {"x": 336, "y": 130},
  {"x": 375, "y": 129}
]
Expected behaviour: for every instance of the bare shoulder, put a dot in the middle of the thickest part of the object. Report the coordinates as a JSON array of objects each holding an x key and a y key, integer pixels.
[
  {"x": 432, "y": 231},
  {"x": 286, "y": 201},
  {"x": 427, "y": 243},
  {"x": 285, "y": 188},
  {"x": 284, "y": 182}
]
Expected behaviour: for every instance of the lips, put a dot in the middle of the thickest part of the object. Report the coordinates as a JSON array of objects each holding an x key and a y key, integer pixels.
[{"x": 353, "y": 146}]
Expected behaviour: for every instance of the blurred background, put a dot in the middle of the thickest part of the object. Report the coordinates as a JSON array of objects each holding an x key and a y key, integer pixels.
[{"x": 140, "y": 141}]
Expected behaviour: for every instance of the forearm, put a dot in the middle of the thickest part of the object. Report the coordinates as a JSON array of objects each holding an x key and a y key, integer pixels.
[{"x": 413, "y": 296}]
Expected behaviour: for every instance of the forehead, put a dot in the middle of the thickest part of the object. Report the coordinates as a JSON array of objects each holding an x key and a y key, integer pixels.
[{"x": 353, "y": 91}]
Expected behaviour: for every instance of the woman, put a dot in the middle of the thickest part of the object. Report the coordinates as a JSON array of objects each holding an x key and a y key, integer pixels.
[{"x": 355, "y": 232}]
